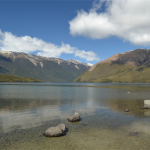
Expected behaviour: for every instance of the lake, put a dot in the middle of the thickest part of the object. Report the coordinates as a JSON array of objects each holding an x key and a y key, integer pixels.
[{"x": 28, "y": 109}]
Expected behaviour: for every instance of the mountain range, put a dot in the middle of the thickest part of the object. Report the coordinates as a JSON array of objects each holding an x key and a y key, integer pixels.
[
  {"x": 132, "y": 67},
  {"x": 42, "y": 68}
]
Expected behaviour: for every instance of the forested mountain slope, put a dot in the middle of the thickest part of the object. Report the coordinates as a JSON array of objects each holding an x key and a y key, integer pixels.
[{"x": 42, "y": 68}]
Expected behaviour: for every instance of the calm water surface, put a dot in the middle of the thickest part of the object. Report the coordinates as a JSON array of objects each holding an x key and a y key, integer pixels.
[{"x": 27, "y": 110}]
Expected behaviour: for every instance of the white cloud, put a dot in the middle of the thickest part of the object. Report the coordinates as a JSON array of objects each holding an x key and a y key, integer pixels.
[
  {"x": 128, "y": 19},
  {"x": 89, "y": 56},
  {"x": 26, "y": 44}
]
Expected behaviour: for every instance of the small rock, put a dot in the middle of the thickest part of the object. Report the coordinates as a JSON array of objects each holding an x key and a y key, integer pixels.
[
  {"x": 146, "y": 103},
  {"x": 55, "y": 131},
  {"x": 126, "y": 110},
  {"x": 74, "y": 118},
  {"x": 128, "y": 92}
]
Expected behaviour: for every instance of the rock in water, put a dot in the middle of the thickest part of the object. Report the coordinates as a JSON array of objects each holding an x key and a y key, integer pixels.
[
  {"x": 62, "y": 127},
  {"x": 74, "y": 118},
  {"x": 146, "y": 103},
  {"x": 55, "y": 131}
]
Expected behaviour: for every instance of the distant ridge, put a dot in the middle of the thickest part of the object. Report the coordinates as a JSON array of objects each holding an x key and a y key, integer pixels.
[
  {"x": 132, "y": 66},
  {"x": 42, "y": 68}
]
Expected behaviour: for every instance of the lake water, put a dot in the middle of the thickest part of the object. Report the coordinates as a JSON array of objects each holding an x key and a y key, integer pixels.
[{"x": 27, "y": 110}]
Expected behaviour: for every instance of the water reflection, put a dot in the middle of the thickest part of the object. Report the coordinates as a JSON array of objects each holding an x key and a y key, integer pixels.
[
  {"x": 18, "y": 102},
  {"x": 25, "y": 106},
  {"x": 27, "y": 119},
  {"x": 141, "y": 127}
]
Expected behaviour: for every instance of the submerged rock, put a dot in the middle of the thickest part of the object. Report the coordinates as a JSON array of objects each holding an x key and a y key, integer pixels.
[
  {"x": 146, "y": 103},
  {"x": 56, "y": 131},
  {"x": 84, "y": 124},
  {"x": 74, "y": 118},
  {"x": 133, "y": 134}
]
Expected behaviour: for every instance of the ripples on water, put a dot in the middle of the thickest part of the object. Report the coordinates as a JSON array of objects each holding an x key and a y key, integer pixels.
[{"x": 27, "y": 110}]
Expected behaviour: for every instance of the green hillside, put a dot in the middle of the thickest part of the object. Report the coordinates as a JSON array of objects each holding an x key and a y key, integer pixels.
[
  {"x": 116, "y": 73},
  {"x": 129, "y": 67},
  {"x": 10, "y": 78},
  {"x": 104, "y": 73}
]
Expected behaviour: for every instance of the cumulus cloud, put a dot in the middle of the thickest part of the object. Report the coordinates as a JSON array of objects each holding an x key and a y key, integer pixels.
[
  {"x": 126, "y": 19},
  {"x": 89, "y": 56},
  {"x": 10, "y": 42}
]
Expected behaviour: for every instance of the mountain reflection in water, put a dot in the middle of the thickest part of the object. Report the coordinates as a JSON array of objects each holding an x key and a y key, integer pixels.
[{"x": 27, "y": 110}]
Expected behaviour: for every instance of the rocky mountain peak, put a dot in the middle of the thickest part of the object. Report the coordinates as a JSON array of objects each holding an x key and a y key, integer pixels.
[
  {"x": 135, "y": 57},
  {"x": 39, "y": 59},
  {"x": 38, "y": 67}
]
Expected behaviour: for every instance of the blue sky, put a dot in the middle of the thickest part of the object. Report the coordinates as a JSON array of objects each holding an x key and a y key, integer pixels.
[{"x": 89, "y": 31}]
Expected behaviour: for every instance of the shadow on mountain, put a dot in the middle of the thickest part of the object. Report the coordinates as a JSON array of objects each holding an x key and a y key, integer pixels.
[{"x": 3, "y": 70}]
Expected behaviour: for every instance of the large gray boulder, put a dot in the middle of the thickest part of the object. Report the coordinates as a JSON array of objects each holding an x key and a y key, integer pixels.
[
  {"x": 56, "y": 131},
  {"x": 62, "y": 127},
  {"x": 74, "y": 118},
  {"x": 146, "y": 103}
]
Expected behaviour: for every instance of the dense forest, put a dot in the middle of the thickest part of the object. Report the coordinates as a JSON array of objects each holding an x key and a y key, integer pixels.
[{"x": 10, "y": 78}]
